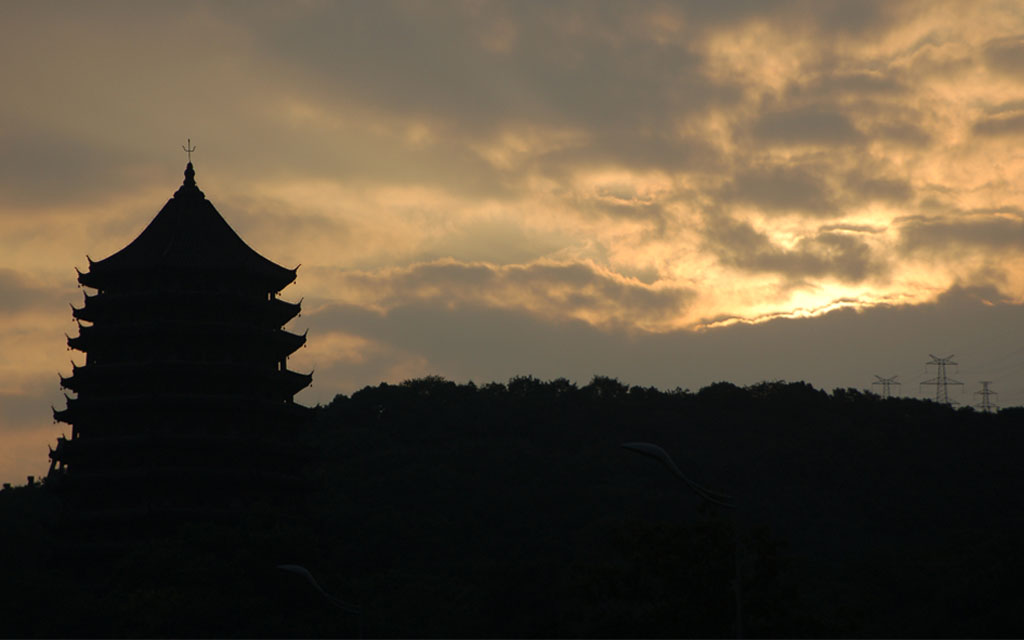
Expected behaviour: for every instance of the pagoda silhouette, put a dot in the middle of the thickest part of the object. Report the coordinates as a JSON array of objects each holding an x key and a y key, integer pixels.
[{"x": 184, "y": 406}]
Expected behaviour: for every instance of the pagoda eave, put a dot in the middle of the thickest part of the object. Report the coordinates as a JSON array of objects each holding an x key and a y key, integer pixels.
[
  {"x": 103, "y": 279},
  {"x": 277, "y": 344}
]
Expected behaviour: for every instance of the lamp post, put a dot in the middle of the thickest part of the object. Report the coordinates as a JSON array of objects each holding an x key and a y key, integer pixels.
[{"x": 714, "y": 497}]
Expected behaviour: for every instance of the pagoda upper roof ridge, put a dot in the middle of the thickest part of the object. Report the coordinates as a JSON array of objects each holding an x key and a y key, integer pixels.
[{"x": 190, "y": 233}]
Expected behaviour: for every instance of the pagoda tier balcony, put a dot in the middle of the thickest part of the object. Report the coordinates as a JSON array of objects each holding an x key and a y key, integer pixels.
[
  {"x": 184, "y": 377},
  {"x": 161, "y": 278},
  {"x": 160, "y": 486},
  {"x": 92, "y": 421},
  {"x": 102, "y": 519},
  {"x": 187, "y": 340},
  {"x": 149, "y": 306},
  {"x": 190, "y": 411},
  {"x": 134, "y": 450}
]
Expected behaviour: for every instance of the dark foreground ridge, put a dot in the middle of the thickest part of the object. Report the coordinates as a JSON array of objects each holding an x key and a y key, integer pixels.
[{"x": 512, "y": 510}]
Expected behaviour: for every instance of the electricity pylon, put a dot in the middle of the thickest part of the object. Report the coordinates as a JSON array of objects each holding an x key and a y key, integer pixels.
[
  {"x": 887, "y": 384},
  {"x": 941, "y": 381},
  {"x": 986, "y": 405}
]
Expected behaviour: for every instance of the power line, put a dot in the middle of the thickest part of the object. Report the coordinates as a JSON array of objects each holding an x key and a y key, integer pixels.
[
  {"x": 986, "y": 405},
  {"x": 887, "y": 384},
  {"x": 941, "y": 381}
]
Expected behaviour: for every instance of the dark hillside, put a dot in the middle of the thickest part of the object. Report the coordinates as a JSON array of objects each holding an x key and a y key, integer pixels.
[
  {"x": 870, "y": 498},
  {"x": 512, "y": 510}
]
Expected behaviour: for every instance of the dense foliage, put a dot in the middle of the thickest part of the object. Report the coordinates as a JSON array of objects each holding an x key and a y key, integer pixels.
[{"x": 512, "y": 510}]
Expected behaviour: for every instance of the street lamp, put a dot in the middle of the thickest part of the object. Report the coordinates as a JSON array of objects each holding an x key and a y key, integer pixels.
[{"x": 714, "y": 497}]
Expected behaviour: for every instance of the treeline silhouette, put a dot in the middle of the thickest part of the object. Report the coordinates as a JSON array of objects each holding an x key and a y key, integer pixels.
[{"x": 447, "y": 509}]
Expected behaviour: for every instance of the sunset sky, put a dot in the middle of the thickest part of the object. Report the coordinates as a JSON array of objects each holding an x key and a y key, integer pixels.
[{"x": 667, "y": 193}]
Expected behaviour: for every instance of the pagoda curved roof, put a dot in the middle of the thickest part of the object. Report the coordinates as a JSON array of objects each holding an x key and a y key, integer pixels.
[{"x": 189, "y": 233}]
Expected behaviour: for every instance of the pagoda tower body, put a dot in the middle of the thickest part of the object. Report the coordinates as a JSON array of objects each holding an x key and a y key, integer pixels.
[{"x": 184, "y": 404}]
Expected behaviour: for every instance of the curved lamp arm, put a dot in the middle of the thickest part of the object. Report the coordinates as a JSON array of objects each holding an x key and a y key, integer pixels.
[
  {"x": 659, "y": 454},
  {"x": 302, "y": 571}
]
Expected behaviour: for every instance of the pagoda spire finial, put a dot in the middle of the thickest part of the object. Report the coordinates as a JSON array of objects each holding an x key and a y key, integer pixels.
[
  {"x": 189, "y": 186},
  {"x": 189, "y": 148}
]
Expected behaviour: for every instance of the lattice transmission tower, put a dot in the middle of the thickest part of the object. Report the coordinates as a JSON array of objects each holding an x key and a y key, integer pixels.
[
  {"x": 986, "y": 403},
  {"x": 942, "y": 381},
  {"x": 886, "y": 384}
]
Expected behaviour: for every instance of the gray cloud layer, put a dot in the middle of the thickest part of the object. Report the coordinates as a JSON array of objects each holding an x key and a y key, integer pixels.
[
  {"x": 827, "y": 254},
  {"x": 548, "y": 289},
  {"x": 485, "y": 344},
  {"x": 974, "y": 232},
  {"x": 19, "y": 293}
]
